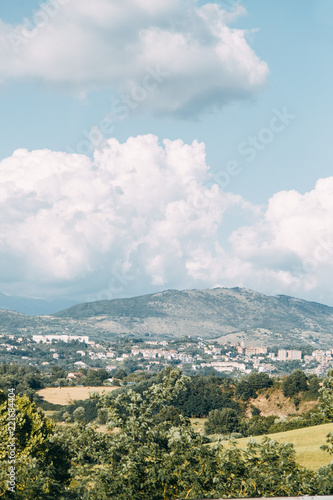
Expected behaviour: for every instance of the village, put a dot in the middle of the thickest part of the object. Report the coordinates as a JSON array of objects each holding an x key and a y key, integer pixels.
[{"x": 191, "y": 354}]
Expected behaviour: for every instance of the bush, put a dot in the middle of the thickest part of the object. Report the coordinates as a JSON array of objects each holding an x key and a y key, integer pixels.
[
  {"x": 78, "y": 414},
  {"x": 257, "y": 425}
]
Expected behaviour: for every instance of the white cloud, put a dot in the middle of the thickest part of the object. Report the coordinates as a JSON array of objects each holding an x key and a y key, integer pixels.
[
  {"x": 140, "y": 217},
  {"x": 290, "y": 247},
  {"x": 107, "y": 43},
  {"x": 127, "y": 220}
]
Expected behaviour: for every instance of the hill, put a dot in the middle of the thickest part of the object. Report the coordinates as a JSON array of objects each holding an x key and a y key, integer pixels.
[
  {"x": 229, "y": 314},
  {"x": 307, "y": 443}
]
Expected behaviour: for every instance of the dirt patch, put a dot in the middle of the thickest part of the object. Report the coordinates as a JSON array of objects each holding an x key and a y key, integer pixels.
[{"x": 278, "y": 404}]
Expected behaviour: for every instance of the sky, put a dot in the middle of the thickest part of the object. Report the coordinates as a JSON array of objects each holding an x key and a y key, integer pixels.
[{"x": 168, "y": 144}]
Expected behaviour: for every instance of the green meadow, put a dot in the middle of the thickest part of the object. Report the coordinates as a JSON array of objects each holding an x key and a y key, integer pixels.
[{"x": 307, "y": 443}]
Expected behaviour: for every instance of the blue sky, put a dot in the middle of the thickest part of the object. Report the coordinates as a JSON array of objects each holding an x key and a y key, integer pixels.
[{"x": 267, "y": 225}]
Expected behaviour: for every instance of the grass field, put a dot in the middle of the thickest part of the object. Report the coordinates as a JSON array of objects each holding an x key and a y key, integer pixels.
[
  {"x": 307, "y": 443},
  {"x": 65, "y": 395}
]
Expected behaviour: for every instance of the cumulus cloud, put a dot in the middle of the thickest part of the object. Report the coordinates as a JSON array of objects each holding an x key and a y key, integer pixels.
[
  {"x": 290, "y": 247},
  {"x": 127, "y": 220},
  {"x": 85, "y": 46},
  {"x": 140, "y": 217}
]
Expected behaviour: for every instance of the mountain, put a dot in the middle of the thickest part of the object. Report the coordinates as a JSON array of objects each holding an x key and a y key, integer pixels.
[
  {"x": 32, "y": 306},
  {"x": 230, "y": 314}
]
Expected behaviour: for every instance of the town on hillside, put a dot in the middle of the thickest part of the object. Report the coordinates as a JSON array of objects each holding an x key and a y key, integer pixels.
[{"x": 190, "y": 354}]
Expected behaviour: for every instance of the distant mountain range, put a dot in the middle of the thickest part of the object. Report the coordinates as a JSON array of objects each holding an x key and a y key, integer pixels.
[
  {"x": 233, "y": 315},
  {"x": 32, "y": 306}
]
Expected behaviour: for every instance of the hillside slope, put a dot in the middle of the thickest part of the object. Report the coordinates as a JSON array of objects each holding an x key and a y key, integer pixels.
[
  {"x": 232, "y": 314},
  {"x": 307, "y": 443}
]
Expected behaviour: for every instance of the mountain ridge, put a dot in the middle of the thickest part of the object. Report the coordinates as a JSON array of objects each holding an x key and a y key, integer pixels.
[
  {"x": 215, "y": 312},
  {"x": 225, "y": 314}
]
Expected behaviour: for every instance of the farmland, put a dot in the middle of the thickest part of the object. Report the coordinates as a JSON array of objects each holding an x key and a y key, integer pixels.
[{"x": 65, "y": 395}]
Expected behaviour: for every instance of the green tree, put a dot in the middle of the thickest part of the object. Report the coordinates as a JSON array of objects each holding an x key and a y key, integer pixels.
[
  {"x": 158, "y": 460},
  {"x": 57, "y": 372},
  {"x": 313, "y": 387},
  {"x": 202, "y": 394},
  {"x": 255, "y": 412},
  {"x": 120, "y": 374},
  {"x": 326, "y": 396},
  {"x": 294, "y": 383},
  {"x": 222, "y": 421},
  {"x": 78, "y": 414},
  {"x": 102, "y": 416},
  {"x": 95, "y": 378},
  {"x": 152, "y": 453},
  {"x": 42, "y": 462},
  {"x": 169, "y": 414},
  {"x": 249, "y": 386}
]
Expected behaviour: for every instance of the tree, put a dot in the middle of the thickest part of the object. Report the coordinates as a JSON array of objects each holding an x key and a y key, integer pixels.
[
  {"x": 202, "y": 394},
  {"x": 255, "y": 412},
  {"x": 57, "y": 372},
  {"x": 120, "y": 374},
  {"x": 326, "y": 396},
  {"x": 88, "y": 412},
  {"x": 42, "y": 462},
  {"x": 24, "y": 379},
  {"x": 102, "y": 416},
  {"x": 95, "y": 378},
  {"x": 222, "y": 421},
  {"x": 78, "y": 414},
  {"x": 313, "y": 387},
  {"x": 249, "y": 386},
  {"x": 169, "y": 414},
  {"x": 152, "y": 454},
  {"x": 294, "y": 383}
]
